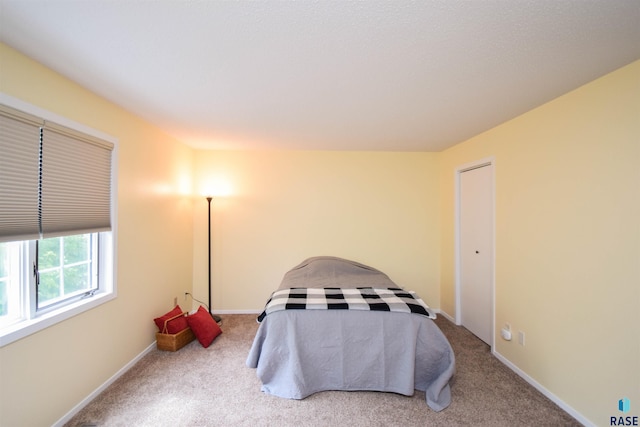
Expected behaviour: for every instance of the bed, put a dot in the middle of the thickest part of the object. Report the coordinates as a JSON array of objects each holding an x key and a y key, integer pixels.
[{"x": 335, "y": 324}]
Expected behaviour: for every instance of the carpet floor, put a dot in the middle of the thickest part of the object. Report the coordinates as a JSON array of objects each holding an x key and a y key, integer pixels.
[{"x": 213, "y": 387}]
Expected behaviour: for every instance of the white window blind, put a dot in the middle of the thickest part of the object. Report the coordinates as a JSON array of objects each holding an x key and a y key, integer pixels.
[
  {"x": 72, "y": 175},
  {"x": 76, "y": 182},
  {"x": 19, "y": 175}
]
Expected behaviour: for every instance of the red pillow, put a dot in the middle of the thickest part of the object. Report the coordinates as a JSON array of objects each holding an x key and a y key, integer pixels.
[
  {"x": 203, "y": 326},
  {"x": 173, "y": 326}
]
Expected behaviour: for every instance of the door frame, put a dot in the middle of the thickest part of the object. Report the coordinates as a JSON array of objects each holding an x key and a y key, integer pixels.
[{"x": 487, "y": 161}]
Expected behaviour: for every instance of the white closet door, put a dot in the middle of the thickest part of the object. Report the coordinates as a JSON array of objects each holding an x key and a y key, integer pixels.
[{"x": 476, "y": 251}]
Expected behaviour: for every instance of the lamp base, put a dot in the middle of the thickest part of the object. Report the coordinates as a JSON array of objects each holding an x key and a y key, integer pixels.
[{"x": 217, "y": 319}]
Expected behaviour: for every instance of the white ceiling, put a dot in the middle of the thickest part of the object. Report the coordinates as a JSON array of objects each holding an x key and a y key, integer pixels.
[{"x": 334, "y": 75}]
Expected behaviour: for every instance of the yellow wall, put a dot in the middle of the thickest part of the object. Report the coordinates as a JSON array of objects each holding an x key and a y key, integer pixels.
[
  {"x": 377, "y": 208},
  {"x": 567, "y": 241},
  {"x": 567, "y": 238},
  {"x": 45, "y": 375}
]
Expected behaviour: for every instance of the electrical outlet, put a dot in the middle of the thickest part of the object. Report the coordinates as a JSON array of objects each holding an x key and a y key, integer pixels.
[{"x": 521, "y": 338}]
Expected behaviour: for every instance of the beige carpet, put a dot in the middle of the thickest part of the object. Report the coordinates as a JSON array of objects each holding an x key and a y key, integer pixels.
[{"x": 213, "y": 387}]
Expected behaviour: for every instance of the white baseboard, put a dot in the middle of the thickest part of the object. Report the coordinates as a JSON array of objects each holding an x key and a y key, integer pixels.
[
  {"x": 446, "y": 316},
  {"x": 100, "y": 389},
  {"x": 248, "y": 311},
  {"x": 575, "y": 414},
  {"x": 555, "y": 399}
]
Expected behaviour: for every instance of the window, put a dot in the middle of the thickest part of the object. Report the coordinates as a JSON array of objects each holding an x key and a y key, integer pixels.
[
  {"x": 54, "y": 271},
  {"x": 9, "y": 281},
  {"x": 66, "y": 267},
  {"x": 56, "y": 224}
]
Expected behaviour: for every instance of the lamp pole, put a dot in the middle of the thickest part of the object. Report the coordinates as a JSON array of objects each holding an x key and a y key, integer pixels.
[
  {"x": 209, "y": 246},
  {"x": 216, "y": 318}
]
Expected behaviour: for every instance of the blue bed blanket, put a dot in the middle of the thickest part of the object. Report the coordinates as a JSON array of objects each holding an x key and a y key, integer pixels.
[{"x": 300, "y": 352}]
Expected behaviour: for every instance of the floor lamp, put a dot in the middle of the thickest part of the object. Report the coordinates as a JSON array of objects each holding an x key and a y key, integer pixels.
[{"x": 218, "y": 319}]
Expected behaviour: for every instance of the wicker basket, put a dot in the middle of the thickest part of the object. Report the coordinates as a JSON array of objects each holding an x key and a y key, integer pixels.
[{"x": 173, "y": 342}]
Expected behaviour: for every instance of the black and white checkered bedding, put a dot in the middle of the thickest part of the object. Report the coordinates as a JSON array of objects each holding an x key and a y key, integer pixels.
[{"x": 365, "y": 298}]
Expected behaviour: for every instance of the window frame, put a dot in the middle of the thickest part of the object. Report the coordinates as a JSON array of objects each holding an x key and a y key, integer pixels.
[
  {"x": 94, "y": 276},
  {"x": 39, "y": 320}
]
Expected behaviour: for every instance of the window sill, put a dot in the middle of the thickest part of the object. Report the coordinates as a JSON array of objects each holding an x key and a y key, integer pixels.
[{"x": 25, "y": 328}]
